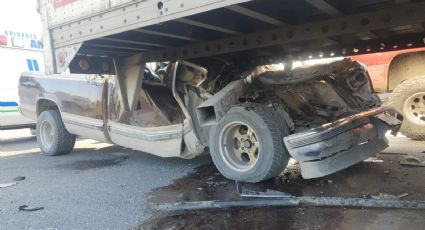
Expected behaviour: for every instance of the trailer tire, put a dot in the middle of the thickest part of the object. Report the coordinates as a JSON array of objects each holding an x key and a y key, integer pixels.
[
  {"x": 409, "y": 100},
  {"x": 52, "y": 137},
  {"x": 247, "y": 143}
]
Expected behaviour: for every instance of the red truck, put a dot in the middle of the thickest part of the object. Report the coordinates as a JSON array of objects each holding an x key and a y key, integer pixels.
[{"x": 401, "y": 74}]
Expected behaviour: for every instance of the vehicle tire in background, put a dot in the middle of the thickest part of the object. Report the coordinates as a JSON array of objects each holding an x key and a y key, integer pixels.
[
  {"x": 409, "y": 100},
  {"x": 52, "y": 137},
  {"x": 247, "y": 143}
]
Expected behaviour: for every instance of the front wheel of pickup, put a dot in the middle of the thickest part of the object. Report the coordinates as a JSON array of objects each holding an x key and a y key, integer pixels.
[
  {"x": 52, "y": 137},
  {"x": 247, "y": 144},
  {"x": 409, "y": 99}
]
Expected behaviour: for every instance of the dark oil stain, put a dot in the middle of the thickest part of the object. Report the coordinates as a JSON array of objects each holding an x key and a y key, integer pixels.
[
  {"x": 93, "y": 164},
  {"x": 249, "y": 218},
  {"x": 206, "y": 183}
]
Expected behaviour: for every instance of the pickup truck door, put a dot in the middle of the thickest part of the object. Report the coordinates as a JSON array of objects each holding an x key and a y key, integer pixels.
[
  {"x": 80, "y": 99},
  {"x": 154, "y": 125}
]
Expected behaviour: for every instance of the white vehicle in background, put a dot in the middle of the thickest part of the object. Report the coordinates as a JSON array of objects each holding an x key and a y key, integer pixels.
[{"x": 19, "y": 51}]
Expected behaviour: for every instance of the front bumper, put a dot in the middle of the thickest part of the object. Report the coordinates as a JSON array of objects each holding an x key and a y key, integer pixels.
[{"x": 342, "y": 143}]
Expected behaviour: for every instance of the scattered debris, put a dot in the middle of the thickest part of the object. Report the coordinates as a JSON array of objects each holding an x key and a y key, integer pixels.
[
  {"x": 387, "y": 171},
  {"x": 374, "y": 160},
  {"x": 26, "y": 209},
  {"x": 256, "y": 194},
  {"x": 383, "y": 196},
  {"x": 19, "y": 178},
  {"x": 216, "y": 184},
  {"x": 267, "y": 194},
  {"x": 324, "y": 182},
  {"x": 290, "y": 202},
  {"x": 387, "y": 196},
  {"x": 412, "y": 161},
  {"x": 8, "y": 184},
  {"x": 403, "y": 195},
  {"x": 214, "y": 204}
]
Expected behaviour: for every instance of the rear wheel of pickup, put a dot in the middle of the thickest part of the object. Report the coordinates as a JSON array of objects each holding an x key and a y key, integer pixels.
[
  {"x": 52, "y": 137},
  {"x": 247, "y": 144},
  {"x": 409, "y": 99}
]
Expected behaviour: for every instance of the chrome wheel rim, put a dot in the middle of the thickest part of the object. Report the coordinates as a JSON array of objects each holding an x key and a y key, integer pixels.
[
  {"x": 414, "y": 108},
  {"x": 47, "y": 134},
  {"x": 239, "y": 146}
]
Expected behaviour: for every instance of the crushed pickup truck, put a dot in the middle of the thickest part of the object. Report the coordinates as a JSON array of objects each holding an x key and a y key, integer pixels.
[{"x": 251, "y": 119}]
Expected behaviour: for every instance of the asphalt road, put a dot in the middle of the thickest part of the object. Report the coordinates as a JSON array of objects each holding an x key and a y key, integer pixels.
[
  {"x": 101, "y": 186},
  {"x": 98, "y": 186}
]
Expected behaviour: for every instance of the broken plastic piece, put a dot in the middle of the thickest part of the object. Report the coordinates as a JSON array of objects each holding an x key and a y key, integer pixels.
[
  {"x": 25, "y": 208},
  {"x": 412, "y": 161},
  {"x": 19, "y": 178}
]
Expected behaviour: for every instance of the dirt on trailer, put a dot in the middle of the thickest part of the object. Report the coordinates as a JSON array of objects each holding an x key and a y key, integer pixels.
[{"x": 381, "y": 176}]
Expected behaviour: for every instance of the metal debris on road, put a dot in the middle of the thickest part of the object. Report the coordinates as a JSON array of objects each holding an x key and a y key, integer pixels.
[
  {"x": 373, "y": 160},
  {"x": 7, "y": 185},
  {"x": 291, "y": 202},
  {"x": 388, "y": 196},
  {"x": 213, "y": 204},
  {"x": 26, "y": 209},
  {"x": 403, "y": 195},
  {"x": 267, "y": 194},
  {"x": 216, "y": 184},
  {"x": 277, "y": 198},
  {"x": 19, "y": 178}
]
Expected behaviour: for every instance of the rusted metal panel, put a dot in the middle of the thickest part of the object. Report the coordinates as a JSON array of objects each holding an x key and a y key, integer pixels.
[{"x": 213, "y": 109}]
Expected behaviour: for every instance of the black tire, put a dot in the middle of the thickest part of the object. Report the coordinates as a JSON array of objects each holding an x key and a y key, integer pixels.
[
  {"x": 404, "y": 97},
  {"x": 268, "y": 132},
  {"x": 60, "y": 142}
]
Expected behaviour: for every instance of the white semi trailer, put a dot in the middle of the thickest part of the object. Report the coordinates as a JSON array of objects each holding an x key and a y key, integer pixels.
[{"x": 215, "y": 86}]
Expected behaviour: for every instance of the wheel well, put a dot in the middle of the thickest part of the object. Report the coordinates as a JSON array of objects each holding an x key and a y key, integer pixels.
[
  {"x": 45, "y": 104},
  {"x": 405, "y": 66}
]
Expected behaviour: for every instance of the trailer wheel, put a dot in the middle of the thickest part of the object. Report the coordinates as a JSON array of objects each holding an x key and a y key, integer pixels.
[
  {"x": 409, "y": 99},
  {"x": 52, "y": 137},
  {"x": 247, "y": 144}
]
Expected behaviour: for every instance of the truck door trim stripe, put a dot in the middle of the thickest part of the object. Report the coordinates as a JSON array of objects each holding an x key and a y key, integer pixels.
[{"x": 71, "y": 122}]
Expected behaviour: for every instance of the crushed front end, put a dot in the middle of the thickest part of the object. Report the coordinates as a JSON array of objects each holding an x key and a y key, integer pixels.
[{"x": 334, "y": 118}]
